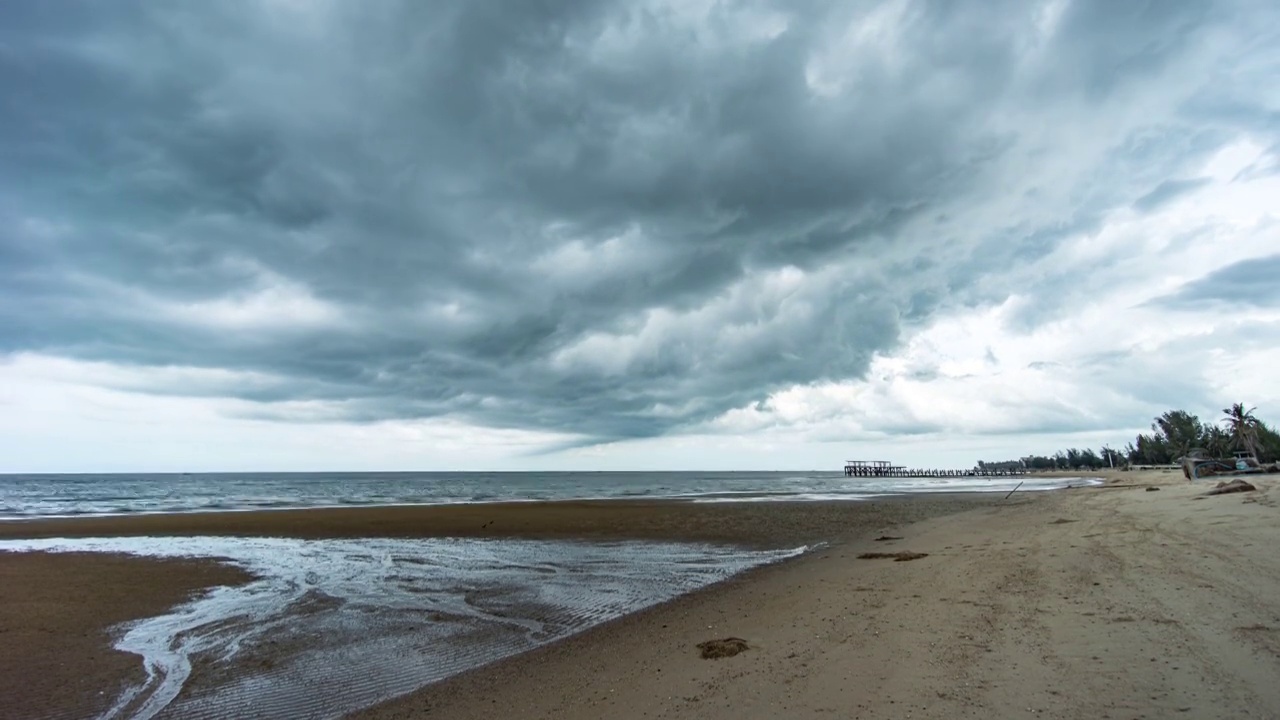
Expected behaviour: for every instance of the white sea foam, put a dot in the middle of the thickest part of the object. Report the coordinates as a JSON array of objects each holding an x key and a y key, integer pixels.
[{"x": 332, "y": 626}]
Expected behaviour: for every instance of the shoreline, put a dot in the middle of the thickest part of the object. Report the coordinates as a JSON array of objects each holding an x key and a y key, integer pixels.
[
  {"x": 1066, "y": 605},
  {"x": 1070, "y": 604},
  {"x": 505, "y": 682},
  {"x": 751, "y": 525}
]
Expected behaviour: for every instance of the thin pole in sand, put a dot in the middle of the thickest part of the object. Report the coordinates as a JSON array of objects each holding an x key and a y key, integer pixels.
[{"x": 1014, "y": 490}]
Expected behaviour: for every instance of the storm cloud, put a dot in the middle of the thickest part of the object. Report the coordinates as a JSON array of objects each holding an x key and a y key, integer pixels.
[
  {"x": 1248, "y": 283},
  {"x": 609, "y": 220}
]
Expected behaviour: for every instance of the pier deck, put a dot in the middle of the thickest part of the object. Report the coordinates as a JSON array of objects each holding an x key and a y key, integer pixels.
[{"x": 886, "y": 469}]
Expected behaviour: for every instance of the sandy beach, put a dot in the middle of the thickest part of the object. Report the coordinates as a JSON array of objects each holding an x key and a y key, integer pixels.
[
  {"x": 1111, "y": 602},
  {"x": 62, "y": 606},
  {"x": 1087, "y": 603}
]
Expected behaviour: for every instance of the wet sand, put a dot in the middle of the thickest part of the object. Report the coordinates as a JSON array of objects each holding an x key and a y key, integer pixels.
[
  {"x": 756, "y": 524},
  {"x": 1109, "y": 602},
  {"x": 57, "y": 608},
  {"x": 56, "y": 658}
]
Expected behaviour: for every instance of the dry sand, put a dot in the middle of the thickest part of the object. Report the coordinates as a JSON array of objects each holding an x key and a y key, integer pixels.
[
  {"x": 1106, "y": 602},
  {"x": 1092, "y": 603}
]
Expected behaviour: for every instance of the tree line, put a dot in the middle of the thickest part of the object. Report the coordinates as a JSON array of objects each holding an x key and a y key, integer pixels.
[{"x": 1173, "y": 435}]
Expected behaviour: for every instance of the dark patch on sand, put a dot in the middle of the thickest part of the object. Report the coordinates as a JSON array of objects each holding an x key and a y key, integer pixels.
[
  {"x": 884, "y": 538},
  {"x": 1234, "y": 486},
  {"x": 722, "y": 648},
  {"x": 903, "y": 556}
]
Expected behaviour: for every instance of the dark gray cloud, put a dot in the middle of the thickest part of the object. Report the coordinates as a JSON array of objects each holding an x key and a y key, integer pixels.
[
  {"x": 1166, "y": 192},
  {"x": 1249, "y": 283},
  {"x": 608, "y": 219}
]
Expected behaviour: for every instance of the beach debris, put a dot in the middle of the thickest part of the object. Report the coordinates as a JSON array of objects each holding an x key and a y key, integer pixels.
[
  {"x": 1061, "y": 521},
  {"x": 1234, "y": 486},
  {"x": 722, "y": 648},
  {"x": 1195, "y": 466},
  {"x": 1153, "y": 488},
  {"x": 903, "y": 556},
  {"x": 884, "y": 538}
]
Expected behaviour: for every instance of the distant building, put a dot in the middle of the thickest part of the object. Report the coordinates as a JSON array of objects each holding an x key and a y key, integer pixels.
[{"x": 1003, "y": 465}]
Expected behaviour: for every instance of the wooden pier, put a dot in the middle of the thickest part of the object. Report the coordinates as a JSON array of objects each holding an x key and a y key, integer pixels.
[{"x": 886, "y": 469}]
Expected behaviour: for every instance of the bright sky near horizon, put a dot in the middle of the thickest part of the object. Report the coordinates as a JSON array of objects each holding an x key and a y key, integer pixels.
[{"x": 665, "y": 234}]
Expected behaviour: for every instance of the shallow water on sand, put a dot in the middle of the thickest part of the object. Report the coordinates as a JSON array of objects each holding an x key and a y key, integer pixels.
[{"x": 332, "y": 626}]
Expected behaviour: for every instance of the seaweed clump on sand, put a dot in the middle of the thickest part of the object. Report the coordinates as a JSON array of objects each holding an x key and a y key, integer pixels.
[
  {"x": 722, "y": 648},
  {"x": 1235, "y": 486},
  {"x": 903, "y": 556}
]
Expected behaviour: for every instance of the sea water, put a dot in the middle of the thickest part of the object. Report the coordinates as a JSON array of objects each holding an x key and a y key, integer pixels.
[{"x": 35, "y": 496}]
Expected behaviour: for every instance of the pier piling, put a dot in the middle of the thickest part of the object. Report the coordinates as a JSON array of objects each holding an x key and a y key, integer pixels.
[{"x": 886, "y": 469}]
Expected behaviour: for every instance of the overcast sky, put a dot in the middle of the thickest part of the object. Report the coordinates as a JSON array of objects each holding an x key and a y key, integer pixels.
[{"x": 312, "y": 234}]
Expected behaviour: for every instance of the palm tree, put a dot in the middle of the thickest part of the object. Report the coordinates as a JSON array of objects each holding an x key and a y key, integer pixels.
[
  {"x": 1217, "y": 442},
  {"x": 1243, "y": 427}
]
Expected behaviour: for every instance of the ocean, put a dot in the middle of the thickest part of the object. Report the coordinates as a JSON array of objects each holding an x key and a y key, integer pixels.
[
  {"x": 35, "y": 496},
  {"x": 366, "y": 620}
]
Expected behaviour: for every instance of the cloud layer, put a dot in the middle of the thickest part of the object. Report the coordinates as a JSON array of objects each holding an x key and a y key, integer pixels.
[{"x": 609, "y": 221}]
